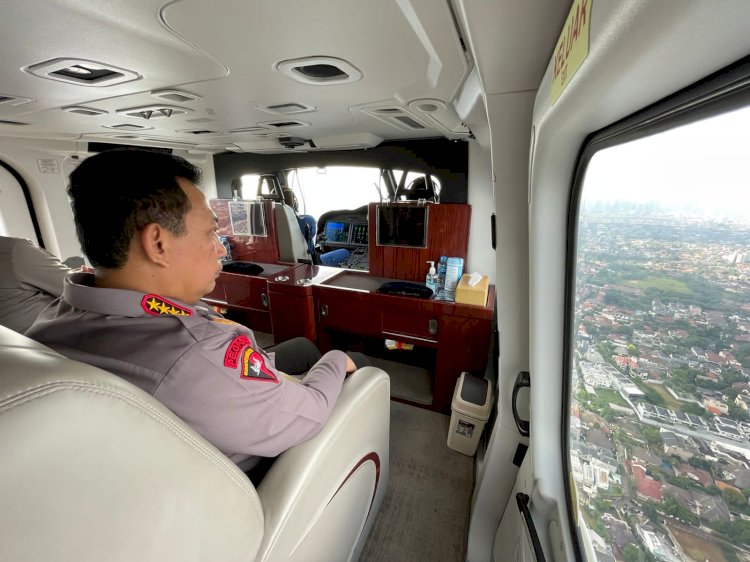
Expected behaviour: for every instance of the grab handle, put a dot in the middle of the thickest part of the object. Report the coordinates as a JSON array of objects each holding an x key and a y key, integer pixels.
[{"x": 522, "y": 380}]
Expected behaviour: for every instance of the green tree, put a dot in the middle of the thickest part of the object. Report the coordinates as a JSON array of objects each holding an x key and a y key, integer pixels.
[
  {"x": 691, "y": 408},
  {"x": 700, "y": 462},
  {"x": 652, "y": 435},
  {"x": 737, "y": 413},
  {"x": 632, "y": 553},
  {"x": 739, "y": 531},
  {"x": 734, "y": 498}
]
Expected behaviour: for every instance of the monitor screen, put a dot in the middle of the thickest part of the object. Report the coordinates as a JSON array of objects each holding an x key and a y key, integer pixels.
[
  {"x": 359, "y": 233},
  {"x": 248, "y": 218},
  {"x": 337, "y": 232},
  {"x": 402, "y": 225}
]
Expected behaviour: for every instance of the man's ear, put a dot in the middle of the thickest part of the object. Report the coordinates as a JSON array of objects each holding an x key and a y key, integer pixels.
[{"x": 155, "y": 244}]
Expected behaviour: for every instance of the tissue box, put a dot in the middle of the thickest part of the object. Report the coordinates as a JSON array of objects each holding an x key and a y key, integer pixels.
[{"x": 466, "y": 294}]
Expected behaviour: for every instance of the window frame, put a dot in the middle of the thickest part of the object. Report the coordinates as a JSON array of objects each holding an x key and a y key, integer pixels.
[{"x": 721, "y": 92}]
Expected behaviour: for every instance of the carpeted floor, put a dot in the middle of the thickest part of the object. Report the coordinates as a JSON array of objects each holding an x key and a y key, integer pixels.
[{"x": 425, "y": 513}]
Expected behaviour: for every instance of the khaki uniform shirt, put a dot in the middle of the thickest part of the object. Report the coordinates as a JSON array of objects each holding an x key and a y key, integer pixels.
[
  {"x": 30, "y": 279},
  {"x": 206, "y": 369}
]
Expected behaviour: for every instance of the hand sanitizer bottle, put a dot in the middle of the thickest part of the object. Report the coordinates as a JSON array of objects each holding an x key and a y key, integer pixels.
[{"x": 432, "y": 279}]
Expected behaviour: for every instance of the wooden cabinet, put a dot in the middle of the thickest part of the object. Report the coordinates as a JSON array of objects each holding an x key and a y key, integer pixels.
[
  {"x": 458, "y": 334},
  {"x": 291, "y": 301},
  {"x": 246, "y": 296},
  {"x": 328, "y": 305}
]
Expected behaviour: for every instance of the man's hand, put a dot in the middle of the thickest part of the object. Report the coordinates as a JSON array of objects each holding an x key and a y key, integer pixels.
[{"x": 350, "y": 366}]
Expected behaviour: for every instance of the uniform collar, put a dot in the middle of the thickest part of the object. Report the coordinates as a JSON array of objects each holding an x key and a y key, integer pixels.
[{"x": 79, "y": 292}]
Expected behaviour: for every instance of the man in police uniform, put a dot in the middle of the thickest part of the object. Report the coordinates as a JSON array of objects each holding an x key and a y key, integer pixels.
[
  {"x": 151, "y": 237},
  {"x": 30, "y": 279}
]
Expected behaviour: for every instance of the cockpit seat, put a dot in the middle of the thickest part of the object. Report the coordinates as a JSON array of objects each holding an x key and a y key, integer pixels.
[
  {"x": 95, "y": 469},
  {"x": 292, "y": 243},
  {"x": 421, "y": 188}
]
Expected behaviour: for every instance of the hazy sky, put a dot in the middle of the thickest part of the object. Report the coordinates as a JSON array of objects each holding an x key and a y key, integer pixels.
[{"x": 703, "y": 165}]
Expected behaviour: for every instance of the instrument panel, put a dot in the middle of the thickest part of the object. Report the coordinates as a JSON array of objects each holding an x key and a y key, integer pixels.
[{"x": 343, "y": 232}]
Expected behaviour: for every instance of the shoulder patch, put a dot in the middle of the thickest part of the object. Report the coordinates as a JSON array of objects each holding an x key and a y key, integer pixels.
[
  {"x": 254, "y": 367},
  {"x": 232, "y": 355},
  {"x": 159, "y": 306}
]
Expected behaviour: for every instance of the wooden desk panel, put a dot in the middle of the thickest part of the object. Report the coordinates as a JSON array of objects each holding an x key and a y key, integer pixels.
[
  {"x": 460, "y": 334},
  {"x": 291, "y": 301},
  {"x": 447, "y": 235},
  {"x": 247, "y": 296}
]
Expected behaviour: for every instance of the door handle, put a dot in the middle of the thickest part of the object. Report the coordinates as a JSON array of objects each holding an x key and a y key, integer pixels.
[
  {"x": 324, "y": 310},
  {"x": 264, "y": 300},
  {"x": 522, "y": 380},
  {"x": 522, "y": 500}
]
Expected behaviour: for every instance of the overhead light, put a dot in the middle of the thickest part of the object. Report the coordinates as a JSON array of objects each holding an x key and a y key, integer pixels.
[
  {"x": 154, "y": 111},
  {"x": 82, "y": 72}
]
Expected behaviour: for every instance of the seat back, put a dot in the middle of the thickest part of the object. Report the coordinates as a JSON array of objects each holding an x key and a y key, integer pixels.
[
  {"x": 95, "y": 469},
  {"x": 292, "y": 244}
]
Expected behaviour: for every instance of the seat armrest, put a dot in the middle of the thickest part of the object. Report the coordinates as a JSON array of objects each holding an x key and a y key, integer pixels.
[{"x": 321, "y": 497}]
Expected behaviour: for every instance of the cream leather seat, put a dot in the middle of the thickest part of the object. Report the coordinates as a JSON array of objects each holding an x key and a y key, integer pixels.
[
  {"x": 292, "y": 244},
  {"x": 94, "y": 469}
]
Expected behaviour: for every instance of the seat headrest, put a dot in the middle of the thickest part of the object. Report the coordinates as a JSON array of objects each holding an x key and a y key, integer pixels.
[{"x": 96, "y": 469}]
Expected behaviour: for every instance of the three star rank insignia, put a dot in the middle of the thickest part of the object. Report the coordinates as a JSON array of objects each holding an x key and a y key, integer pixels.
[{"x": 159, "y": 306}]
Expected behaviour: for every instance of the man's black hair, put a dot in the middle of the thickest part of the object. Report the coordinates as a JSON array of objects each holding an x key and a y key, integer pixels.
[{"x": 117, "y": 193}]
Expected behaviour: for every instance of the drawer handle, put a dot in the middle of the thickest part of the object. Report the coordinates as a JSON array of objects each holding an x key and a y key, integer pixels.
[
  {"x": 432, "y": 326},
  {"x": 264, "y": 300},
  {"x": 324, "y": 310}
]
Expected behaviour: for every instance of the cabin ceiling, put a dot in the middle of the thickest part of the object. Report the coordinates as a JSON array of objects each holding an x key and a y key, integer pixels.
[{"x": 404, "y": 65}]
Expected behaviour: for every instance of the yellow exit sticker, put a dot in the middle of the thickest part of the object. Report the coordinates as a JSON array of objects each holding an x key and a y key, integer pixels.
[{"x": 572, "y": 47}]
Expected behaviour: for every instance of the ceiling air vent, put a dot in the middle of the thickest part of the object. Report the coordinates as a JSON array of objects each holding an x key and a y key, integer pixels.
[
  {"x": 154, "y": 111},
  {"x": 408, "y": 121},
  {"x": 82, "y": 72},
  {"x": 286, "y": 108},
  {"x": 201, "y": 132},
  {"x": 396, "y": 116},
  {"x": 250, "y": 130},
  {"x": 7, "y": 100},
  {"x": 285, "y": 124},
  {"x": 320, "y": 71},
  {"x": 127, "y": 127},
  {"x": 87, "y": 111},
  {"x": 175, "y": 96}
]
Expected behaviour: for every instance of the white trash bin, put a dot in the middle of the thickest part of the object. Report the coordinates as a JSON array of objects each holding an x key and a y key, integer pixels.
[{"x": 472, "y": 400}]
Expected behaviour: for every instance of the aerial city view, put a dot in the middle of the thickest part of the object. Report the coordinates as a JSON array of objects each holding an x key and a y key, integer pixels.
[{"x": 659, "y": 428}]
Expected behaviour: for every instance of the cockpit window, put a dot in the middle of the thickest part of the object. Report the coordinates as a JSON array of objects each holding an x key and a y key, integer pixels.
[
  {"x": 250, "y": 186},
  {"x": 336, "y": 187}
]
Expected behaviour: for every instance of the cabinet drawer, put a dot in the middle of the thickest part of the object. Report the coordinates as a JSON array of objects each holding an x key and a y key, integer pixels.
[
  {"x": 245, "y": 291},
  {"x": 348, "y": 311},
  {"x": 398, "y": 322}
]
